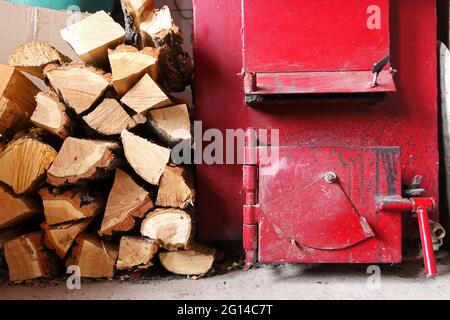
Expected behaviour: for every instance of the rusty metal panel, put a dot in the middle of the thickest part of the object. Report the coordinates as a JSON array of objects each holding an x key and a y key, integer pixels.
[{"x": 307, "y": 217}]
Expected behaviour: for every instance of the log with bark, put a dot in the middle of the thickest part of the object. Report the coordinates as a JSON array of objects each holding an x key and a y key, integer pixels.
[
  {"x": 129, "y": 65},
  {"x": 95, "y": 257},
  {"x": 15, "y": 210},
  {"x": 80, "y": 87},
  {"x": 146, "y": 95},
  {"x": 176, "y": 188},
  {"x": 61, "y": 237},
  {"x": 136, "y": 253},
  {"x": 50, "y": 114},
  {"x": 193, "y": 262},
  {"x": 70, "y": 205},
  {"x": 109, "y": 118},
  {"x": 159, "y": 20},
  {"x": 135, "y": 12},
  {"x": 80, "y": 160},
  {"x": 93, "y": 36},
  {"x": 33, "y": 57},
  {"x": 17, "y": 101},
  {"x": 27, "y": 258},
  {"x": 157, "y": 30},
  {"x": 172, "y": 228},
  {"x": 172, "y": 124},
  {"x": 127, "y": 201},
  {"x": 24, "y": 162},
  {"x": 147, "y": 159}
]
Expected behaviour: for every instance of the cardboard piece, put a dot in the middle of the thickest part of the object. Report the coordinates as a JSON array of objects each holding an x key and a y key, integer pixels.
[{"x": 21, "y": 24}]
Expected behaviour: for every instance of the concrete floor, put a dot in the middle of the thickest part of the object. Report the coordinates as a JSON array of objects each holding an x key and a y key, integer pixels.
[{"x": 404, "y": 281}]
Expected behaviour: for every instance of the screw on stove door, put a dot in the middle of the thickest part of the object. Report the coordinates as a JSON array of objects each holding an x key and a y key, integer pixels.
[{"x": 330, "y": 177}]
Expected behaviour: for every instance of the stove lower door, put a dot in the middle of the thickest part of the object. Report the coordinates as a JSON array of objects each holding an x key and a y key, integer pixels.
[{"x": 319, "y": 205}]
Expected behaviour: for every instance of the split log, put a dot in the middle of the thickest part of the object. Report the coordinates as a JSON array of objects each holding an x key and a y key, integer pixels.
[
  {"x": 147, "y": 159},
  {"x": 172, "y": 228},
  {"x": 24, "y": 163},
  {"x": 50, "y": 114},
  {"x": 5, "y": 236},
  {"x": 33, "y": 57},
  {"x": 190, "y": 263},
  {"x": 80, "y": 87},
  {"x": 93, "y": 36},
  {"x": 27, "y": 258},
  {"x": 136, "y": 253},
  {"x": 109, "y": 118},
  {"x": 171, "y": 124},
  {"x": 159, "y": 20},
  {"x": 61, "y": 237},
  {"x": 14, "y": 209},
  {"x": 17, "y": 101},
  {"x": 175, "y": 63},
  {"x": 71, "y": 205},
  {"x": 96, "y": 258},
  {"x": 135, "y": 12},
  {"x": 80, "y": 160},
  {"x": 129, "y": 65},
  {"x": 141, "y": 10},
  {"x": 146, "y": 95},
  {"x": 176, "y": 188},
  {"x": 127, "y": 201},
  {"x": 159, "y": 31}
]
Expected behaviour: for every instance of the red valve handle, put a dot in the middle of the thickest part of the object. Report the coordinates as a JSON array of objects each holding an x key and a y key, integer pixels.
[
  {"x": 427, "y": 243},
  {"x": 421, "y": 206}
]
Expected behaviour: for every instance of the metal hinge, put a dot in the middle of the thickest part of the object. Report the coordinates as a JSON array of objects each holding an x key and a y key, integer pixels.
[{"x": 250, "y": 208}]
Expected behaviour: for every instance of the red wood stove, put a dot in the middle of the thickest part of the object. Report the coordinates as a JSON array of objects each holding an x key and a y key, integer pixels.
[{"x": 353, "y": 132}]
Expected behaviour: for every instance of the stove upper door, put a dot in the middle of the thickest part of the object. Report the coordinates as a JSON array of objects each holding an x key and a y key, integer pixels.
[{"x": 311, "y": 46}]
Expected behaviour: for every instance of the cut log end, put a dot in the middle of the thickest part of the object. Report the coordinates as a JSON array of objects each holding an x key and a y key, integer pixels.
[
  {"x": 146, "y": 95},
  {"x": 71, "y": 205},
  {"x": 176, "y": 188},
  {"x": 50, "y": 114},
  {"x": 94, "y": 49},
  {"x": 109, "y": 118},
  {"x": 17, "y": 101},
  {"x": 80, "y": 160},
  {"x": 189, "y": 263},
  {"x": 147, "y": 159},
  {"x": 61, "y": 237},
  {"x": 172, "y": 228},
  {"x": 95, "y": 257},
  {"x": 172, "y": 124},
  {"x": 24, "y": 162},
  {"x": 33, "y": 57},
  {"x": 15, "y": 210},
  {"x": 80, "y": 87},
  {"x": 127, "y": 201},
  {"x": 136, "y": 253},
  {"x": 27, "y": 258},
  {"x": 129, "y": 65}
]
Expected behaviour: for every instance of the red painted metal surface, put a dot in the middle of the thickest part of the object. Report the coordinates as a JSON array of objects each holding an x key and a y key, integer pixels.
[
  {"x": 315, "y": 46},
  {"x": 408, "y": 118},
  {"x": 305, "y": 35}
]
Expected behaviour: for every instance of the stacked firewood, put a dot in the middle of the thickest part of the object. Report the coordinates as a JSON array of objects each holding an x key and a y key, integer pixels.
[{"x": 86, "y": 177}]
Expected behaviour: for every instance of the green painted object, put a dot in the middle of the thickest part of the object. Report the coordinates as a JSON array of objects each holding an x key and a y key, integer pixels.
[{"x": 84, "y": 5}]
